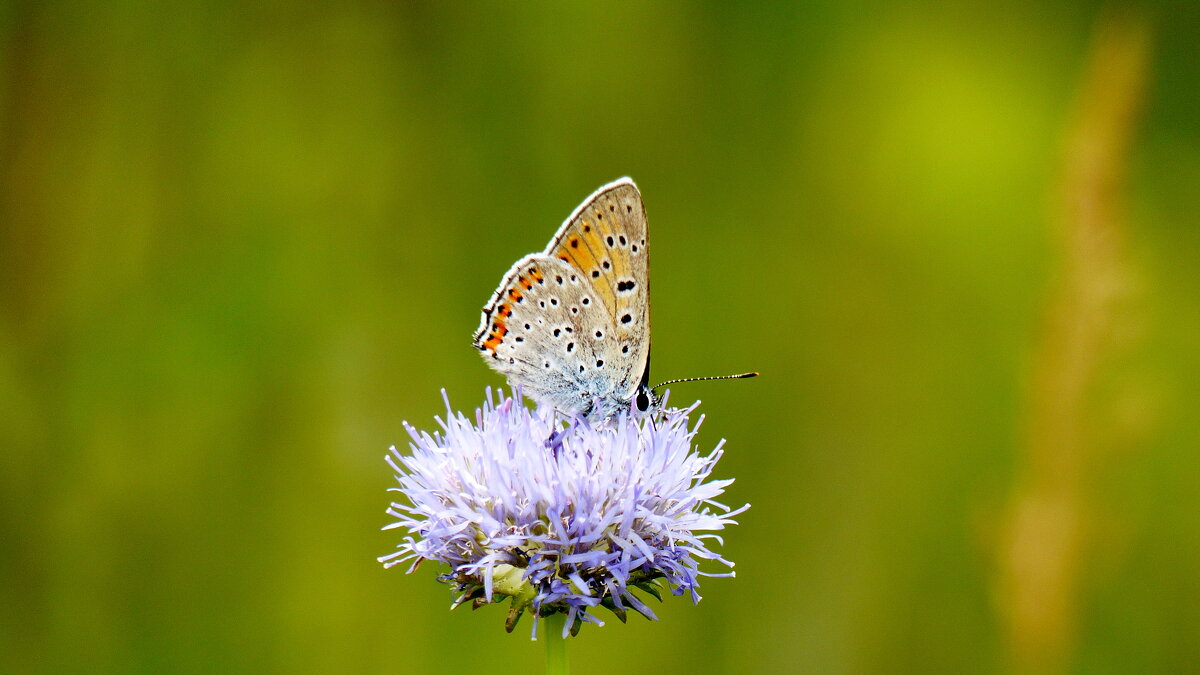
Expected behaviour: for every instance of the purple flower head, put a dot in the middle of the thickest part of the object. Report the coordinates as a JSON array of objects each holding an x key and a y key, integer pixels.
[{"x": 560, "y": 514}]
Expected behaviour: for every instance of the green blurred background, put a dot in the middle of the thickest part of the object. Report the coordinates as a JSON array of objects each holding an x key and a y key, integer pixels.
[{"x": 240, "y": 244}]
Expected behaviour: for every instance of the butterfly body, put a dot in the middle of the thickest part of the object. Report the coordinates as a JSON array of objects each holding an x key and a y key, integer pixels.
[{"x": 570, "y": 326}]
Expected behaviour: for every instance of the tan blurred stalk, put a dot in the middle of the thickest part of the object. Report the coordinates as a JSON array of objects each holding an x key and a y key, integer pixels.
[{"x": 1045, "y": 540}]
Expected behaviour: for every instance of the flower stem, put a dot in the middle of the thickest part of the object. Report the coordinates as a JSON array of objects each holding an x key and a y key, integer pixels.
[{"x": 556, "y": 645}]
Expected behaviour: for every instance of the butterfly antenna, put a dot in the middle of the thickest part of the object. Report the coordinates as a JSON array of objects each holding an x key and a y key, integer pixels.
[{"x": 739, "y": 376}]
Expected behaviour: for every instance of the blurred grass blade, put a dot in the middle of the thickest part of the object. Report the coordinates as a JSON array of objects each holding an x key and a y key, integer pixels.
[{"x": 1046, "y": 540}]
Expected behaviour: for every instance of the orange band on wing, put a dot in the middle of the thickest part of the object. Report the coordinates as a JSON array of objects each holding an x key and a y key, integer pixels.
[{"x": 495, "y": 337}]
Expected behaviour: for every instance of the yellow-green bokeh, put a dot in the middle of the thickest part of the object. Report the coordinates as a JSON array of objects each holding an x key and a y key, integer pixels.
[{"x": 240, "y": 244}]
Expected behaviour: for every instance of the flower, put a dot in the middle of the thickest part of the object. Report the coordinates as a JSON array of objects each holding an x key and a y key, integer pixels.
[{"x": 560, "y": 514}]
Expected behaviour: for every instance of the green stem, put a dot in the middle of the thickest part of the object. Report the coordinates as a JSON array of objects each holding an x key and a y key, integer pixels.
[{"x": 556, "y": 645}]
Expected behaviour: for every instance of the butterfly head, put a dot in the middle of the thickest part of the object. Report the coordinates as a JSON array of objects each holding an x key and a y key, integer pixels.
[{"x": 646, "y": 399}]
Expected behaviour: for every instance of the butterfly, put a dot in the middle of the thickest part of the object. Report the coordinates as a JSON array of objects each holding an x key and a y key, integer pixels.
[{"x": 570, "y": 326}]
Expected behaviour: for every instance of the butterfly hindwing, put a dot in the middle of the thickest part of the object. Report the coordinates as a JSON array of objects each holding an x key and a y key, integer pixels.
[{"x": 539, "y": 331}]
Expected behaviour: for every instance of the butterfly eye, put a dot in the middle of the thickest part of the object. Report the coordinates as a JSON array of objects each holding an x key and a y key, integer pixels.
[{"x": 643, "y": 401}]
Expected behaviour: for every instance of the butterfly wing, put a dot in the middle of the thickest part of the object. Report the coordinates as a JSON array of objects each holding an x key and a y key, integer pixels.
[
  {"x": 533, "y": 332},
  {"x": 572, "y": 324},
  {"x": 604, "y": 240}
]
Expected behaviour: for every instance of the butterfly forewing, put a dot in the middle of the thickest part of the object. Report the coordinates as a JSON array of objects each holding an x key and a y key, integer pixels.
[{"x": 572, "y": 325}]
